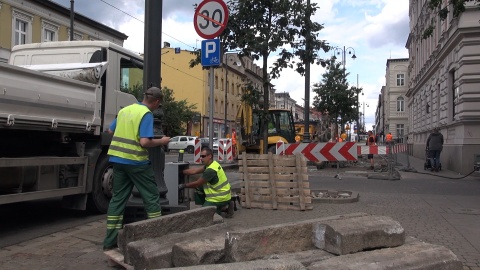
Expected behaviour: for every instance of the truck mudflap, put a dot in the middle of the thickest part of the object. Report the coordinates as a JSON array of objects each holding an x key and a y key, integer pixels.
[
  {"x": 49, "y": 102},
  {"x": 33, "y": 178}
]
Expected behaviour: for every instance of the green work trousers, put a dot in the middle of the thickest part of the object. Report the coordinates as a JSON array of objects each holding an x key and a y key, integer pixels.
[
  {"x": 124, "y": 178},
  {"x": 200, "y": 200}
]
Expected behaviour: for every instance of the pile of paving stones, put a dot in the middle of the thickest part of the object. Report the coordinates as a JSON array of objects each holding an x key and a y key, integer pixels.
[{"x": 194, "y": 240}]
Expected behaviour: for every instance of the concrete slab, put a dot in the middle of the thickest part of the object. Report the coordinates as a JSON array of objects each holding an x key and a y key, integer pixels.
[
  {"x": 356, "y": 234},
  {"x": 415, "y": 255},
  {"x": 251, "y": 265},
  {"x": 259, "y": 242}
]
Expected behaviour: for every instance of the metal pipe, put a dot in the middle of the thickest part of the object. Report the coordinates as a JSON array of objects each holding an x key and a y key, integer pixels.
[
  {"x": 306, "y": 133},
  {"x": 72, "y": 17},
  {"x": 225, "y": 129}
]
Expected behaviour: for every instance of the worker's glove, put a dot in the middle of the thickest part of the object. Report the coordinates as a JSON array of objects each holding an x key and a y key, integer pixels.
[{"x": 182, "y": 186}]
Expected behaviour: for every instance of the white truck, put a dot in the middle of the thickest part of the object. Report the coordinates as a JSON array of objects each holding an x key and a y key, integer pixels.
[{"x": 57, "y": 99}]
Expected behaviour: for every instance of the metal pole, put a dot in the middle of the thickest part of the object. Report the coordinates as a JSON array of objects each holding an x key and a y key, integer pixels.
[
  {"x": 210, "y": 118},
  {"x": 72, "y": 17},
  {"x": 358, "y": 111},
  {"x": 306, "y": 133},
  {"x": 225, "y": 129}
]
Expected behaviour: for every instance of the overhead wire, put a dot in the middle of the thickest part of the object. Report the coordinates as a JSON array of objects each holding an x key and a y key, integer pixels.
[{"x": 128, "y": 14}]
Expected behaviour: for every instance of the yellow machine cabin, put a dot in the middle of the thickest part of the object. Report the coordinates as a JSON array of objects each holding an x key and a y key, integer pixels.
[{"x": 249, "y": 139}]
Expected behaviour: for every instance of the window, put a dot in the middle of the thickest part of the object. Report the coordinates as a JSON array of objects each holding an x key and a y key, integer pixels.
[
  {"x": 22, "y": 28},
  {"x": 76, "y": 36},
  {"x": 49, "y": 31},
  {"x": 400, "y": 132},
  {"x": 131, "y": 76},
  {"x": 400, "y": 79},
  {"x": 400, "y": 104}
]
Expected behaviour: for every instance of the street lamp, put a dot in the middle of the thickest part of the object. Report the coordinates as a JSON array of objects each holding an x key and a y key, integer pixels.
[
  {"x": 306, "y": 130},
  {"x": 343, "y": 52},
  {"x": 364, "y": 103},
  {"x": 238, "y": 64}
]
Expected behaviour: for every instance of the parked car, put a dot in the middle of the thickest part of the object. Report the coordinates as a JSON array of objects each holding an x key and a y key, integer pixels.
[{"x": 186, "y": 143}]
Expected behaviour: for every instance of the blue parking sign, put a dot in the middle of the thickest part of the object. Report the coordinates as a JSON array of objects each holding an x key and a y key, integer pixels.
[{"x": 211, "y": 52}]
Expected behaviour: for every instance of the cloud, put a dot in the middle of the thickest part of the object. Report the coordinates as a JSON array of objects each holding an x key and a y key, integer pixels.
[{"x": 390, "y": 26}]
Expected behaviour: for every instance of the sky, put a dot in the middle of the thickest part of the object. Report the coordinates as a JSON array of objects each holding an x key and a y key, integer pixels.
[{"x": 377, "y": 30}]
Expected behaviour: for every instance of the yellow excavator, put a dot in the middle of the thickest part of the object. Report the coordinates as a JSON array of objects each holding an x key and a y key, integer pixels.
[{"x": 249, "y": 138}]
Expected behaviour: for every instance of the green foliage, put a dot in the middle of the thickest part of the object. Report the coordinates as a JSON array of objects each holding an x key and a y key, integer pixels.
[
  {"x": 176, "y": 114},
  {"x": 458, "y": 7},
  {"x": 261, "y": 27},
  {"x": 335, "y": 97}
]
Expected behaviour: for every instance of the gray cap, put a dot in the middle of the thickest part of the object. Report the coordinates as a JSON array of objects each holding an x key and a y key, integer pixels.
[{"x": 155, "y": 92}]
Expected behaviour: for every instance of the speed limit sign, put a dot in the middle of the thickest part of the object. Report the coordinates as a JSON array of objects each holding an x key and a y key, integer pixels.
[{"x": 211, "y": 18}]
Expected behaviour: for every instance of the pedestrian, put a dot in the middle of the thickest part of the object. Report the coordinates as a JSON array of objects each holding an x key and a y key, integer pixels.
[
  {"x": 435, "y": 146},
  {"x": 371, "y": 142},
  {"x": 132, "y": 134},
  {"x": 212, "y": 188}
]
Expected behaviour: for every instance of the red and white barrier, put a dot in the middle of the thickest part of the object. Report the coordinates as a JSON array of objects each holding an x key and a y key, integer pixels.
[
  {"x": 399, "y": 148},
  {"x": 372, "y": 149},
  {"x": 196, "y": 152},
  {"x": 229, "y": 151},
  {"x": 221, "y": 150},
  {"x": 225, "y": 151},
  {"x": 335, "y": 151},
  {"x": 331, "y": 151}
]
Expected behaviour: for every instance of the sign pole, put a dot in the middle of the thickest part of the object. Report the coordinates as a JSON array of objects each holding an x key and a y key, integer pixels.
[{"x": 210, "y": 118}]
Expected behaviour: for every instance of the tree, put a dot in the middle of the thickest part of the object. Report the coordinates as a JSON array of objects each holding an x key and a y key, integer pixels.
[
  {"x": 458, "y": 7},
  {"x": 176, "y": 114},
  {"x": 334, "y": 96},
  {"x": 259, "y": 28}
]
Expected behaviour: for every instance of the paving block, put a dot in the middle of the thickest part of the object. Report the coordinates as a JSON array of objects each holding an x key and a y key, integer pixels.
[
  {"x": 157, "y": 227},
  {"x": 199, "y": 252},
  {"x": 356, "y": 234},
  {"x": 158, "y": 252},
  {"x": 306, "y": 258},
  {"x": 250, "y": 265},
  {"x": 415, "y": 255},
  {"x": 259, "y": 242}
]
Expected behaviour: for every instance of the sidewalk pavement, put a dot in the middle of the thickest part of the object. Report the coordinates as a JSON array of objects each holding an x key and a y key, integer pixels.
[{"x": 449, "y": 220}]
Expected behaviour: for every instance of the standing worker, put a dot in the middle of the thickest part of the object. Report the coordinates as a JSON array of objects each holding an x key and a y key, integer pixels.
[
  {"x": 212, "y": 188},
  {"x": 371, "y": 142},
  {"x": 389, "y": 138},
  {"x": 132, "y": 134},
  {"x": 435, "y": 146}
]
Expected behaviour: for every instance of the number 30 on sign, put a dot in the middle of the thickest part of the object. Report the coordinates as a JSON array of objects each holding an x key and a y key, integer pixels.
[{"x": 210, "y": 18}]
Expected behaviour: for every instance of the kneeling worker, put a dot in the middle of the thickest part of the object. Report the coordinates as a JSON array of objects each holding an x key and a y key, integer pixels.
[{"x": 212, "y": 187}]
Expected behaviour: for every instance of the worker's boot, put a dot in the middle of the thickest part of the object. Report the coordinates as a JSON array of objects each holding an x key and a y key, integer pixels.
[{"x": 230, "y": 209}]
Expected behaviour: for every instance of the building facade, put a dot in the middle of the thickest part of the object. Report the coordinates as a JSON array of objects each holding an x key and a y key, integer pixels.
[
  {"x": 395, "y": 116},
  {"x": 192, "y": 85},
  {"x": 444, "y": 72},
  {"x": 29, "y": 21}
]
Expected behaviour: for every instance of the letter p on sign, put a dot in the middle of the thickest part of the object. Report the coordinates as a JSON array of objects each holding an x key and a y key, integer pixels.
[{"x": 211, "y": 52}]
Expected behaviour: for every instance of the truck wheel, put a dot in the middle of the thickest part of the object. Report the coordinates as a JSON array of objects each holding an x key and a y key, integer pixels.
[
  {"x": 99, "y": 199},
  {"x": 190, "y": 149},
  {"x": 272, "y": 149}
]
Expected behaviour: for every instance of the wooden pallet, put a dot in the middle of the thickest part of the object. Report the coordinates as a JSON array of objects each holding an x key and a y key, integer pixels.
[
  {"x": 275, "y": 182},
  {"x": 115, "y": 258}
]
